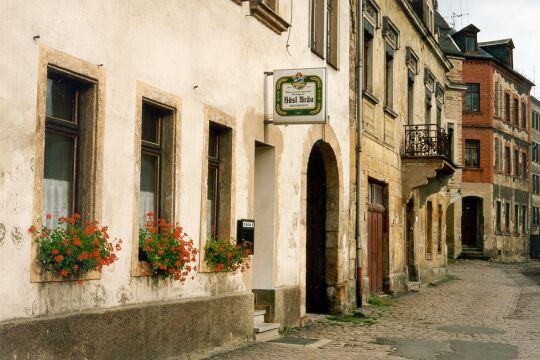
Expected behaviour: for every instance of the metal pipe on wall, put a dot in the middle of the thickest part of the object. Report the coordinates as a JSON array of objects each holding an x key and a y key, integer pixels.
[{"x": 358, "y": 88}]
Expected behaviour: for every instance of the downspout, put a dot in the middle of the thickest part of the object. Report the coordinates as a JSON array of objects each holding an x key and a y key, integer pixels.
[{"x": 358, "y": 86}]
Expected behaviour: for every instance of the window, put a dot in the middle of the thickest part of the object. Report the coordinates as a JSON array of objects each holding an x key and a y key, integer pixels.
[
  {"x": 411, "y": 61},
  {"x": 472, "y": 153},
  {"x": 524, "y": 165},
  {"x": 507, "y": 107},
  {"x": 516, "y": 112},
  {"x": 516, "y": 219},
  {"x": 536, "y": 216},
  {"x": 319, "y": 34},
  {"x": 410, "y": 101},
  {"x": 507, "y": 160},
  {"x": 472, "y": 98},
  {"x": 428, "y": 107},
  {"x": 497, "y": 154},
  {"x": 332, "y": 48},
  {"x": 524, "y": 115},
  {"x": 63, "y": 139},
  {"x": 218, "y": 196},
  {"x": 497, "y": 99},
  {"x": 536, "y": 184},
  {"x": 524, "y": 215},
  {"x": 391, "y": 45},
  {"x": 389, "y": 80},
  {"x": 439, "y": 114},
  {"x": 470, "y": 43},
  {"x": 429, "y": 227},
  {"x": 499, "y": 217},
  {"x": 368, "y": 62},
  {"x": 516, "y": 163},
  {"x": 157, "y": 161},
  {"x": 68, "y": 172},
  {"x": 507, "y": 217},
  {"x": 439, "y": 229}
]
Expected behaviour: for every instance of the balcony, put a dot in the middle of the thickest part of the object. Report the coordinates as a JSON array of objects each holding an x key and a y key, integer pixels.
[
  {"x": 426, "y": 160},
  {"x": 428, "y": 140}
]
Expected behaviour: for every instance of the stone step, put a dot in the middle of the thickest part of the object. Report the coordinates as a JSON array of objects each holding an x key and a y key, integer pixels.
[
  {"x": 413, "y": 286},
  {"x": 267, "y": 335},
  {"x": 265, "y": 327},
  {"x": 258, "y": 316},
  {"x": 476, "y": 254}
]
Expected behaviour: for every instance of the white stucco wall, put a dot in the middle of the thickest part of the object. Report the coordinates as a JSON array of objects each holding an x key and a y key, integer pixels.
[{"x": 173, "y": 45}]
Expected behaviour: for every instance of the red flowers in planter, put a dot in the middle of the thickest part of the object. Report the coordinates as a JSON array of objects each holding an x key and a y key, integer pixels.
[
  {"x": 70, "y": 249},
  {"x": 222, "y": 255},
  {"x": 167, "y": 248}
]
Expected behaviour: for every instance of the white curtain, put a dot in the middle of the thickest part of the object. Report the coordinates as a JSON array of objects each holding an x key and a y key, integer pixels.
[{"x": 56, "y": 200}]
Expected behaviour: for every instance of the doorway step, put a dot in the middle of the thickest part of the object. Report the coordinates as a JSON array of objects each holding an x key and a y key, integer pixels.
[
  {"x": 262, "y": 330},
  {"x": 473, "y": 253},
  {"x": 413, "y": 286}
]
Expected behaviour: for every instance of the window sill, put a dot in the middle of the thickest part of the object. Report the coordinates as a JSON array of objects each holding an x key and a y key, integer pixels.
[
  {"x": 479, "y": 113},
  {"x": 472, "y": 168},
  {"x": 370, "y": 97},
  {"x": 267, "y": 16},
  {"x": 429, "y": 256},
  {"x": 237, "y": 2},
  {"x": 388, "y": 111}
]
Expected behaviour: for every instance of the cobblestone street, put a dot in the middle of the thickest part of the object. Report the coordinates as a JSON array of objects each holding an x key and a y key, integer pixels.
[{"x": 483, "y": 311}]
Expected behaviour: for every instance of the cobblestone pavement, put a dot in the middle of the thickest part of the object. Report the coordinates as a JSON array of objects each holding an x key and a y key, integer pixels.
[{"x": 483, "y": 311}]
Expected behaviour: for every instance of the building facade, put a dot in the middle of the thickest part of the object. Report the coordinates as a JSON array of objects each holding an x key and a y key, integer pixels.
[
  {"x": 108, "y": 74},
  {"x": 496, "y": 148},
  {"x": 535, "y": 178},
  {"x": 406, "y": 151}
]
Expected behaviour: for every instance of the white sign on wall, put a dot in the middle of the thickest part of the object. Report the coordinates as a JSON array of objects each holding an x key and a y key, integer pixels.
[{"x": 300, "y": 96}]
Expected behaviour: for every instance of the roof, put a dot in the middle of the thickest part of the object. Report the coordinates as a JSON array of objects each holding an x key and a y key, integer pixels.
[
  {"x": 446, "y": 42},
  {"x": 497, "y": 43}
]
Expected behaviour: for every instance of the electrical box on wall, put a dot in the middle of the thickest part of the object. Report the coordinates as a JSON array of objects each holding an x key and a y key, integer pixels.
[{"x": 245, "y": 233}]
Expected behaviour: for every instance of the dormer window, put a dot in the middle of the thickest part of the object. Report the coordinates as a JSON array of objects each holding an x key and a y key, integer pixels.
[{"x": 470, "y": 43}]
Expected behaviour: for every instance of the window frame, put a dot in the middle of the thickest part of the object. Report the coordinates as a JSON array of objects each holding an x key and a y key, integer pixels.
[
  {"x": 168, "y": 198},
  {"x": 469, "y": 146},
  {"x": 470, "y": 97},
  {"x": 92, "y": 100},
  {"x": 227, "y": 124}
]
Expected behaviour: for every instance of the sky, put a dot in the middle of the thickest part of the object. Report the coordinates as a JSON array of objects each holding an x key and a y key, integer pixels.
[{"x": 501, "y": 19}]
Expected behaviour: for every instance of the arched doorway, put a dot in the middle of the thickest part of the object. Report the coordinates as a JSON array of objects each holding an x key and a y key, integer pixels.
[
  {"x": 322, "y": 229},
  {"x": 472, "y": 221}
]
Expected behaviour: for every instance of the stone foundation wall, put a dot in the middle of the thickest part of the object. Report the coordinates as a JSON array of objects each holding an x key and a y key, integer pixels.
[{"x": 148, "y": 331}]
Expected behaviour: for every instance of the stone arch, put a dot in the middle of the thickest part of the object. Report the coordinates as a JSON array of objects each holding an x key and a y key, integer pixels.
[{"x": 322, "y": 139}]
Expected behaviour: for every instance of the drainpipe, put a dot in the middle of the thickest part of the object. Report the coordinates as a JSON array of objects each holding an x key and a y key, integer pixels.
[{"x": 358, "y": 86}]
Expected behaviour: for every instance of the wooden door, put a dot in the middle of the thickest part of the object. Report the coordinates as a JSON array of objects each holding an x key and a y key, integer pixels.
[
  {"x": 316, "y": 298},
  {"x": 469, "y": 221},
  {"x": 375, "y": 247}
]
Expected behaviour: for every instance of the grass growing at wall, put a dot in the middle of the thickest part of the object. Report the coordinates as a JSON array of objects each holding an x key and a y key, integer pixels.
[
  {"x": 379, "y": 301},
  {"x": 356, "y": 317}
]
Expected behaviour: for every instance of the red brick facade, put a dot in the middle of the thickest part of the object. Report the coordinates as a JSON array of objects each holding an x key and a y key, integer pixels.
[{"x": 478, "y": 125}]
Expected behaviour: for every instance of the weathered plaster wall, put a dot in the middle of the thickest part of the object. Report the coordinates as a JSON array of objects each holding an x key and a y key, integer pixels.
[
  {"x": 209, "y": 55},
  {"x": 382, "y": 137}
]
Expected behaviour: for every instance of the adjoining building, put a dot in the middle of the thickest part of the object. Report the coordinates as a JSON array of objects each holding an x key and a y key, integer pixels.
[
  {"x": 172, "y": 108},
  {"x": 535, "y": 179},
  {"x": 496, "y": 147},
  {"x": 407, "y": 153}
]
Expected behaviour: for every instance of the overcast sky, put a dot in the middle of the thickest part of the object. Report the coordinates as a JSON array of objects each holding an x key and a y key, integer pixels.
[{"x": 501, "y": 19}]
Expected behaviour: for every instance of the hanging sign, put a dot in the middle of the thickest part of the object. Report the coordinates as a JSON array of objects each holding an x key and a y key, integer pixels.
[{"x": 300, "y": 96}]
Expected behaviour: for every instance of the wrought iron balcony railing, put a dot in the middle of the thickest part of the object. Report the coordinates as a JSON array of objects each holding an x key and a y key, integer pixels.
[{"x": 427, "y": 140}]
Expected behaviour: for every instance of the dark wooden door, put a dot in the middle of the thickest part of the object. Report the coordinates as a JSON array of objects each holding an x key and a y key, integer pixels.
[
  {"x": 469, "y": 222},
  {"x": 316, "y": 300},
  {"x": 375, "y": 247}
]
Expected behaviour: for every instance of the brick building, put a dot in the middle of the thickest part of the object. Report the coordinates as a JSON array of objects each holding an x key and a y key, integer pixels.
[{"x": 496, "y": 148}]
